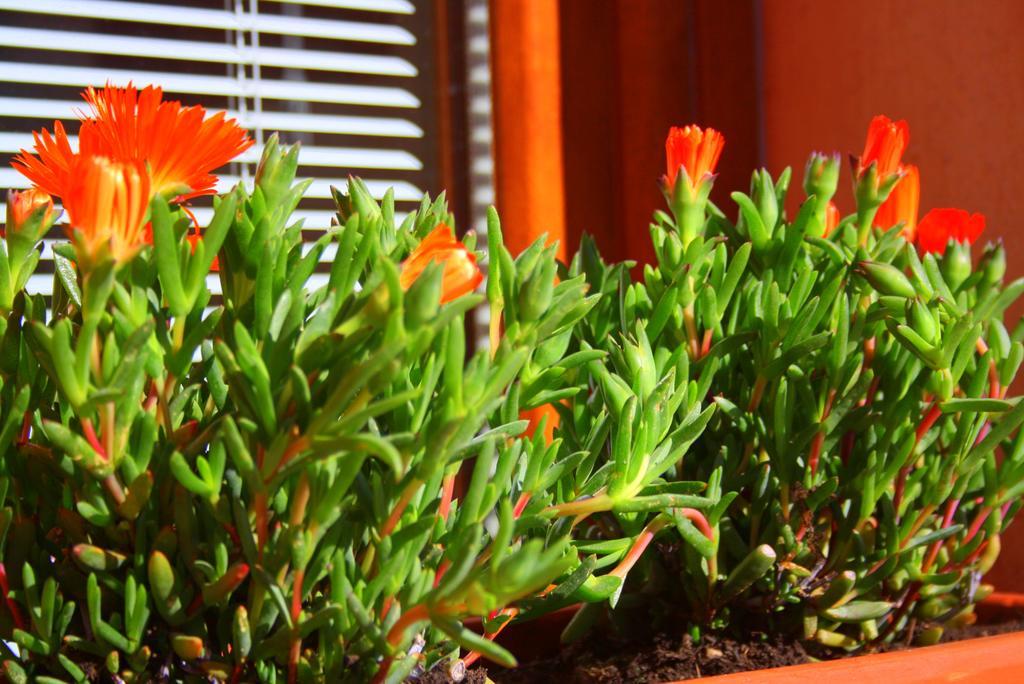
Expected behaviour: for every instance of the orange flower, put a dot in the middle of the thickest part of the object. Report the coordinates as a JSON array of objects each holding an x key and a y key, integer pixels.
[
  {"x": 106, "y": 203},
  {"x": 51, "y": 171},
  {"x": 886, "y": 142},
  {"x": 939, "y": 226},
  {"x": 832, "y": 218},
  {"x": 180, "y": 144},
  {"x": 902, "y": 204},
  {"x": 27, "y": 201},
  {"x": 461, "y": 274},
  {"x": 693, "y": 149}
]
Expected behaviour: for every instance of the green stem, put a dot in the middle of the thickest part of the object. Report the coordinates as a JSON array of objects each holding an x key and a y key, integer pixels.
[
  {"x": 689, "y": 219},
  {"x": 588, "y": 506},
  {"x": 865, "y": 219},
  {"x": 178, "y": 333}
]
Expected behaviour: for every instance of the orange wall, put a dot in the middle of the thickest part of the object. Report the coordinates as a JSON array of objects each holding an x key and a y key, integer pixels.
[
  {"x": 525, "y": 68},
  {"x": 953, "y": 68}
]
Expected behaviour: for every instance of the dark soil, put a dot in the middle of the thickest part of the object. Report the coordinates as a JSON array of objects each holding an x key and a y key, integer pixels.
[
  {"x": 607, "y": 660},
  {"x": 604, "y": 659},
  {"x": 478, "y": 675},
  {"x": 978, "y": 631}
]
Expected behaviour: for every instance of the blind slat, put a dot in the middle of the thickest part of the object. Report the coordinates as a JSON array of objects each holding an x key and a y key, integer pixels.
[
  {"x": 174, "y": 14},
  {"x": 319, "y": 189},
  {"x": 195, "y": 51},
  {"x": 313, "y": 219},
  {"x": 392, "y": 6},
  {"x": 275, "y": 121},
  {"x": 319, "y": 155},
  {"x": 45, "y": 74}
]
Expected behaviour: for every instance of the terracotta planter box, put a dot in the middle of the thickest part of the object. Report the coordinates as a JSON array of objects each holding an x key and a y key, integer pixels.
[
  {"x": 992, "y": 660},
  {"x": 989, "y": 659}
]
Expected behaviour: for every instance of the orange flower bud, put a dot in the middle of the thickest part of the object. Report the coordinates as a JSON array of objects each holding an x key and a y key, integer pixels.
[
  {"x": 24, "y": 203},
  {"x": 546, "y": 413},
  {"x": 193, "y": 238},
  {"x": 886, "y": 142},
  {"x": 106, "y": 203},
  {"x": 461, "y": 274},
  {"x": 902, "y": 204},
  {"x": 693, "y": 149},
  {"x": 939, "y": 226},
  {"x": 832, "y": 218}
]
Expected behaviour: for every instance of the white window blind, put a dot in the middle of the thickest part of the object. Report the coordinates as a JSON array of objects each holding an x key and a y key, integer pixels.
[{"x": 352, "y": 80}]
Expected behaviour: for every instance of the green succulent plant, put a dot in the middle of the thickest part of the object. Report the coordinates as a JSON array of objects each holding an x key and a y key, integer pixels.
[
  {"x": 828, "y": 408},
  {"x": 261, "y": 487},
  {"x": 316, "y": 477}
]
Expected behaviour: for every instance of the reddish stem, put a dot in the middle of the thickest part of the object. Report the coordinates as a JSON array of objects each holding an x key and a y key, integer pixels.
[
  {"x": 90, "y": 436},
  {"x": 473, "y": 656},
  {"x": 233, "y": 533},
  {"x": 382, "y": 670},
  {"x": 872, "y": 390},
  {"x": 699, "y": 521},
  {"x": 646, "y": 536},
  {"x": 441, "y": 569},
  {"x": 197, "y": 603},
  {"x": 294, "y": 447},
  {"x": 151, "y": 397},
  {"x": 691, "y": 332},
  {"x": 815, "y": 453},
  {"x": 979, "y": 520},
  {"x": 296, "y": 649},
  {"x": 524, "y": 499},
  {"x": 951, "y": 566},
  {"x": 757, "y": 393},
  {"x": 26, "y": 428},
  {"x": 947, "y": 519},
  {"x": 300, "y": 577},
  {"x": 917, "y": 525},
  {"x": 417, "y": 613},
  {"x": 19, "y": 621},
  {"x": 983, "y": 432},
  {"x": 260, "y": 511},
  {"x": 638, "y": 547},
  {"x": 995, "y": 390},
  {"x": 512, "y": 612},
  {"x": 447, "y": 492},
  {"x": 893, "y": 618},
  {"x": 927, "y": 422},
  {"x": 819, "y": 437},
  {"x": 850, "y": 439},
  {"x": 386, "y": 606},
  {"x": 399, "y": 509},
  {"x": 186, "y": 433},
  {"x": 293, "y": 660},
  {"x": 706, "y": 345}
]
